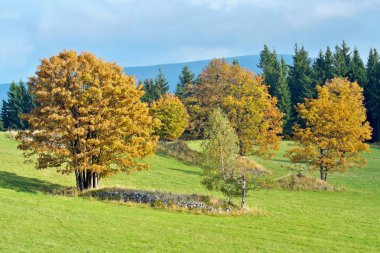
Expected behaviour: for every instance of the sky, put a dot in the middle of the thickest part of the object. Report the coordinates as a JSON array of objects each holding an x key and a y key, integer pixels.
[{"x": 149, "y": 32}]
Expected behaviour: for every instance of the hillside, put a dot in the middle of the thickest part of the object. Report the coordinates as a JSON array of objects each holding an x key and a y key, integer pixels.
[{"x": 296, "y": 221}]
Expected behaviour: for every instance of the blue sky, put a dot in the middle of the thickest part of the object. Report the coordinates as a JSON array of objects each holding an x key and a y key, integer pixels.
[{"x": 147, "y": 32}]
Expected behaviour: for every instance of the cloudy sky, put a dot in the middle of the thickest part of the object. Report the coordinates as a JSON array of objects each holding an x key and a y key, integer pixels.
[{"x": 147, "y": 32}]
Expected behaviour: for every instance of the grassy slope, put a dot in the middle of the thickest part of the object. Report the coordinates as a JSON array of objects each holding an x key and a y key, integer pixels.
[{"x": 297, "y": 221}]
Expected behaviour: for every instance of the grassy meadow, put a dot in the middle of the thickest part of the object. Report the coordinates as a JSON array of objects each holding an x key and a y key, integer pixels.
[{"x": 31, "y": 220}]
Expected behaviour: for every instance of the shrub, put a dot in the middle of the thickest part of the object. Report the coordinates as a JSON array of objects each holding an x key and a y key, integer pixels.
[{"x": 304, "y": 183}]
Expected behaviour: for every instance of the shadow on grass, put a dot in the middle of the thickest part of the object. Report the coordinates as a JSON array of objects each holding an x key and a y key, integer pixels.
[
  {"x": 18, "y": 183},
  {"x": 189, "y": 172}
]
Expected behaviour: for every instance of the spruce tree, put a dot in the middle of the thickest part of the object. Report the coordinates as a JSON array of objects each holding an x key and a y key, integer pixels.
[
  {"x": 282, "y": 93},
  {"x": 357, "y": 71},
  {"x": 19, "y": 102},
  {"x": 301, "y": 76},
  {"x": 342, "y": 60},
  {"x": 161, "y": 83},
  {"x": 270, "y": 67},
  {"x": 149, "y": 88},
  {"x": 186, "y": 79},
  {"x": 328, "y": 67},
  {"x": 319, "y": 69},
  {"x": 154, "y": 89},
  {"x": 372, "y": 92}
]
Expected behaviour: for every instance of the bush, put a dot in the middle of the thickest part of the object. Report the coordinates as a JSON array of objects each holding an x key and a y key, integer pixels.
[
  {"x": 180, "y": 151},
  {"x": 303, "y": 183}
]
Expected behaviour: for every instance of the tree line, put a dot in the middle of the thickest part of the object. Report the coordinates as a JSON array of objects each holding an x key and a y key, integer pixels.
[{"x": 290, "y": 84}]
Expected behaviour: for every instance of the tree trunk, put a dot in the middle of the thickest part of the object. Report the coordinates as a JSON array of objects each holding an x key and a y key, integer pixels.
[
  {"x": 243, "y": 192},
  {"x": 323, "y": 173},
  {"x": 86, "y": 180}
]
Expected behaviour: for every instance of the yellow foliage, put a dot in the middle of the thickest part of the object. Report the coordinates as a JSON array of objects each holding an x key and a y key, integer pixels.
[
  {"x": 246, "y": 100},
  {"x": 89, "y": 117},
  {"x": 336, "y": 128},
  {"x": 172, "y": 115}
]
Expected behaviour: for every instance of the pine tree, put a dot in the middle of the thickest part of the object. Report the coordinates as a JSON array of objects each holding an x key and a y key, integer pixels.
[
  {"x": 186, "y": 80},
  {"x": 342, "y": 60},
  {"x": 357, "y": 71},
  {"x": 300, "y": 76}
]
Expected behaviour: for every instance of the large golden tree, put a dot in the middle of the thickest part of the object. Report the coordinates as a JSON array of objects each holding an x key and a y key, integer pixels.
[
  {"x": 89, "y": 120},
  {"x": 246, "y": 101},
  {"x": 335, "y": 129}
]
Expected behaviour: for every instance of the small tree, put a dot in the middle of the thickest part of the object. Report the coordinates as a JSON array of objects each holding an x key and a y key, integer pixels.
[
  {"x": 172, "y": 115},
  {"x": 89, "y": 119},
  {"x": 222, "y": 170},
  {"x": 186, "y": 80},
  {"x": 336, "y": 129}
]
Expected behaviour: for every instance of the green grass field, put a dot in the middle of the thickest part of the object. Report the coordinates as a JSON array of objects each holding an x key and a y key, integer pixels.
[{"x": 33, "y": 221}]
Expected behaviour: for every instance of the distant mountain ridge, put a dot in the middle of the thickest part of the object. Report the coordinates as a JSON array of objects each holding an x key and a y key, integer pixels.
[{"x": 173, "y": 70}]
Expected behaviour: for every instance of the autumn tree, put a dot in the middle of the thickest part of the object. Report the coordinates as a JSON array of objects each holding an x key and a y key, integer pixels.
[
  {"x": 89, "y": 120},
  {"x": 172, "y": 115},
  {"x": 247, "y": 103},
  {"x": 336, "y": 129}
]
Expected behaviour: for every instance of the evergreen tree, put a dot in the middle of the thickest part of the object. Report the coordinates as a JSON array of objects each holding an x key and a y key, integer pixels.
[
  {"x": 328, "y": 65},
  {"x": 185, "y": 82},
  {"x": 19, "y": 102},
  {"x": 270, "y": 67},
  {"x": 300, "y": 76},
  {"x": 319, "y": 69},
  {"x": 149, "y": 88},
  {"x": 372, "y": 92},
  {"x": 161, "y": 83},
  {"x": 357, "y": 71},
  {"x": 154, "y": 89},
  {"x": 342, "y": 60},
  {"x": 282, "y": 93}
]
